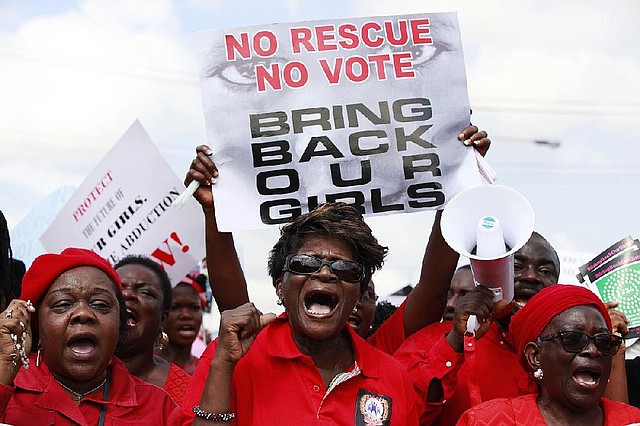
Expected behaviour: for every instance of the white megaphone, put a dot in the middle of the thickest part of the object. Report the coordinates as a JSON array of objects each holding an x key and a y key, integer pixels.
[{"x": 488, "y": 224}]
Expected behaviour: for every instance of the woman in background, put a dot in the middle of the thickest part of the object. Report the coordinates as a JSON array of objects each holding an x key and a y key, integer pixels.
[
  {"x": 73, "y": 302},
  {"x": 147, "y": 294},
  {"x": 183, "y": 324},
  {"x": 564, "y": 337}
]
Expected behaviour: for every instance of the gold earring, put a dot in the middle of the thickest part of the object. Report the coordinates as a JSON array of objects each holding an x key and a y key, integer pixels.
[{"x": 162, "y": 340}]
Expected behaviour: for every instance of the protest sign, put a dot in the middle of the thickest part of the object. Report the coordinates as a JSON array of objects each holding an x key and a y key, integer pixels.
[
  {"x": 124, "y": 207},
  {"x": 365, "y": 111},
  {"x": 614, "y": 275}
]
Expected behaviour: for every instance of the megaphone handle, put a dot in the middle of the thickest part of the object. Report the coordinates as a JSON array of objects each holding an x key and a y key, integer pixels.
[
  {"x": 485, "y": 169},
  {"x": 472, "y": 324}
]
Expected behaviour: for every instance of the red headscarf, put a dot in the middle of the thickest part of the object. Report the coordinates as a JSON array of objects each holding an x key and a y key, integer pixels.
[
  {"x": 527, "y": 324},
  {"x": 48, "y": 267},
  {"x": 193, "y": 284}
]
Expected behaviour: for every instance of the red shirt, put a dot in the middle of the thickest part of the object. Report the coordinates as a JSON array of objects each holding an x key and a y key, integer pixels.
[
  {"x": 524, "y": 411},
  {"x": 177, "y": 383},
  {"x": 427, "y": 355},
  {"x": 275, "y": 384},
  {"x": 390, "y": 335},
  {"x": 38, "y": 399}
]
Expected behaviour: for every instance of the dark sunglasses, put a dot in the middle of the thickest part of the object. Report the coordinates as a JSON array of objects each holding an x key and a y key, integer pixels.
[
  {"x": 576, "y": 341},
  {"x": 305, "y": 264}
]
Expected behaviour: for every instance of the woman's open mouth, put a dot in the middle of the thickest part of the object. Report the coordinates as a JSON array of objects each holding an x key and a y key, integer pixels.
[
  {"x": 187, "y": 331},
  {"x": 587, "y": 378},
  {"x": 83, "y": 345},
  {"x": 132, "y": 318},
  {"x": 320, "y": 304}
]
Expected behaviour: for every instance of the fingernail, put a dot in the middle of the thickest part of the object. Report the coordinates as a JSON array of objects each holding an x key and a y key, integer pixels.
[
  {"x": 468, "y": 142},
  {"x": 461, "y": 136},
  {"x": 209, "y": 153},
  {"x": 213, "y": 180}
]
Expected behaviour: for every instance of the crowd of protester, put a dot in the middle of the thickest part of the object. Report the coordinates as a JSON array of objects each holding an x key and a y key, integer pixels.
[{"x": 83, "y": 342}]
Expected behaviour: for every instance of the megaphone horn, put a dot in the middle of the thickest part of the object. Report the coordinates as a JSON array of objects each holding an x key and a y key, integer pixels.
[{"x": 488, "y": 224}]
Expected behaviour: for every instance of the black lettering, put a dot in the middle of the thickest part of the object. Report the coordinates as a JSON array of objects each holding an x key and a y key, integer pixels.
[
  {"x": 340, "y": 182},
  {"x": 357, "y": 198},
  {"x": 402, "y": 138},
  {"x": 427, "y": 191},
  {"x": 330, "y": 149},
  {"x": 354, "y": 142},
  {"x": 261, "y": 123},
  {"x": 277, "y": 176},
  {"x": 338, "y": 117},
  {"x": 377, "y": 203},
  {"x": 383, "y": 116},
  {"x": 299, "y": 123},
  {"x": 284, "y": 215},
  {"x": 432, "y": 166},
  {"x": 418, "y": 114},
  {"x": 272, "y": 153}
]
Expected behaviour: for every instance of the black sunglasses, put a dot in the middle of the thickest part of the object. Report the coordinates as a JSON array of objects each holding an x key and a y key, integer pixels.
[
  {"x": 305, "y": 264},
  {"x": 576, "y": 341}
]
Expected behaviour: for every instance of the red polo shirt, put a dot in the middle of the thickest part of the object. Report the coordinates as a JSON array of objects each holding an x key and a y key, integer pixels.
[
  {"x": 524, "y": 411},
  {"x": 427, "y": 355},
  {"x": 275, "y": 384},
  {"x": 390, "y": 335},
  {"x": 38, "y": 399}
]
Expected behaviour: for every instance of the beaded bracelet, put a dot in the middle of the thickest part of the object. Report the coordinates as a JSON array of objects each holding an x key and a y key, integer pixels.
[{"x": 214, "y": 417}]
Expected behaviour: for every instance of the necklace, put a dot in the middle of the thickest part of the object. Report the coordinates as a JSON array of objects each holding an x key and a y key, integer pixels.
[{"x": 77, "y": 396}]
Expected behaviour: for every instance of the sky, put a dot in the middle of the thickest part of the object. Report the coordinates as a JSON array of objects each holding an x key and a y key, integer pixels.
[{"x": 74, "y": 75}]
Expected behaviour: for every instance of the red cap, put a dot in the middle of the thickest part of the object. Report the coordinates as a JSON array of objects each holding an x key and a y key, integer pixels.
[{"x": 47, "y": 268}]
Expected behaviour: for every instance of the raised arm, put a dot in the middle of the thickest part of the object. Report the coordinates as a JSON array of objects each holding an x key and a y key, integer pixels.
[
  {"x": 617, "y": 387},
  {"x": 426, "y": 303},
  {"x": 238, "y": 329},
  {"x": 228, "y": 283}
]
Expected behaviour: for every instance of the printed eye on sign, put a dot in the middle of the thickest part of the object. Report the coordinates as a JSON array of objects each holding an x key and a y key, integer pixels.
[{"x": 365, "y": 111}]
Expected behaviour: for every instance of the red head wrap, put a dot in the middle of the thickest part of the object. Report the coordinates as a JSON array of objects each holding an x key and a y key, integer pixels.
[
  {"x": 48, "y": 267},
  {"x": 193, "y": 284},
  {"x": 529, "y": 322}
]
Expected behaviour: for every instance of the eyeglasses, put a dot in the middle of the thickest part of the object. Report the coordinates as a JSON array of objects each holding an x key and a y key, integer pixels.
[
  {"x": 576, "y": 341},
  {"x": 305, "y": 264}
]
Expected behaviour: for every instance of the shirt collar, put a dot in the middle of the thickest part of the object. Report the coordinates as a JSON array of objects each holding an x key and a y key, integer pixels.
[{"x": 280, "y": 344}]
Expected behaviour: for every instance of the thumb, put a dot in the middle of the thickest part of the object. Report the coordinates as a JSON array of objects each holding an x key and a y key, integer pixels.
[
  {"x": 266, "y": 319},
  {"x": 610, "y": 305}
]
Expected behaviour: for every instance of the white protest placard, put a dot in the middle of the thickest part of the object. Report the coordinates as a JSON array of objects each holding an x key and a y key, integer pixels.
[
  {"x": 124, "y": 207},
  {"x": 365, "y": 111}
]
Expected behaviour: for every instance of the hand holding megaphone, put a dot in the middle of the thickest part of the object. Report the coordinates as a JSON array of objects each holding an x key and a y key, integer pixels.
[
  {"x": 488, "y": 224},
  {"x": 478, "y": 303}
]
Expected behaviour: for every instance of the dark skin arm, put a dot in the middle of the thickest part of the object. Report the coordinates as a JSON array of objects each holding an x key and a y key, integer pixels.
[
  {"x": 238, "y": 329},
  {"x": 425, "y": 304},
  {"x": 617, "y": 387},
  {"x": 427, "y": 301},
  {"x": 478, "y": 302},
  {"x": 228, "y": 284}
]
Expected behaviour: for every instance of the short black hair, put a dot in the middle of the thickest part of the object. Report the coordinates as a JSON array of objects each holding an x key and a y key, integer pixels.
[
  {"x": 383, "y": 311},
  {"x": 338, "y": 220},
  {"x": 165, "y": 283}
]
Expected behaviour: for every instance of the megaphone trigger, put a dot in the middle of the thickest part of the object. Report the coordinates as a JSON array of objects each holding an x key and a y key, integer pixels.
[{"x": 472, "y": 325}]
